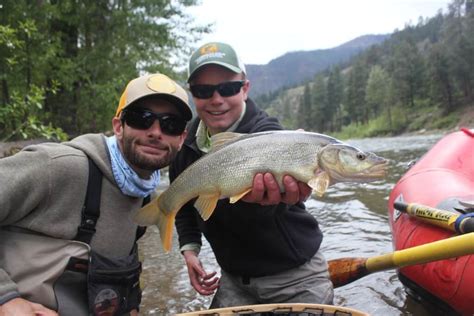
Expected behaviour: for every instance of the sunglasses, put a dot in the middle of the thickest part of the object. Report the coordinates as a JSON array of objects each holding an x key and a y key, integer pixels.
[
  {"x": 225, "y": 89},
  {"x": 142, "y": 119}
]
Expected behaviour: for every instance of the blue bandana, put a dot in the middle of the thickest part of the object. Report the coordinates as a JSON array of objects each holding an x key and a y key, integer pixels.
[{"x": 127, "y": 179}]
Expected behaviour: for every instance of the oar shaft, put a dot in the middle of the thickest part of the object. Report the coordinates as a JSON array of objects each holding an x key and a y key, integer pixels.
[
  {"x": 428, "y": 214},
  {"x": 452, "y": 221},
  {"x": 438, "y": 250}
]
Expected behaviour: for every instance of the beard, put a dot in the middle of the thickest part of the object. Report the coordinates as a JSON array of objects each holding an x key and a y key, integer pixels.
[{"x": 144, "y": 162}]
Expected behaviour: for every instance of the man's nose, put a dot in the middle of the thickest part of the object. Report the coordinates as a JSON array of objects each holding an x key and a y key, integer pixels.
[
  {"x": 155, "y": 128},
  {"x": 216, "y": 98}
]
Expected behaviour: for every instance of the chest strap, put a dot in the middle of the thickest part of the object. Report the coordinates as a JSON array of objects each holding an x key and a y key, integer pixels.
[{"x": 91, "y": 209}]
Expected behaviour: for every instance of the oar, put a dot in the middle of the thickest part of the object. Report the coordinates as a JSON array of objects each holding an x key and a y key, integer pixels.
[
  {"x": 459, "y": 223},
  {"x": 345, "y": 270}
]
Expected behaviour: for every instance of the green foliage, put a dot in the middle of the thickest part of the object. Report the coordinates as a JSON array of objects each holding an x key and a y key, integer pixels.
[
  {"x": 81, "y": 54},
  {"x": 20, "y": 118},
  {"x": 432, "y": 117},
  {"x": 417, "y": 79},
  {"x": 304, "y": 113},
  {"x": 377, "y": 91}
]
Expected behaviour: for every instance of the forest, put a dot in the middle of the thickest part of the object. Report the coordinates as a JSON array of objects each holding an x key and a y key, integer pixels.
[
  {"x": 64, "y": 63},
  {"x": 421, "y": 77}
]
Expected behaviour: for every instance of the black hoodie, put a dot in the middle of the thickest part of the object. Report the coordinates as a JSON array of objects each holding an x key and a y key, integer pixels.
[{"x": 248, "y": 239}]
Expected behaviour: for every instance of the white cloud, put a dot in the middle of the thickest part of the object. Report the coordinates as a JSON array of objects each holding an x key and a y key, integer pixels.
[{"x": 261, "y": 30}]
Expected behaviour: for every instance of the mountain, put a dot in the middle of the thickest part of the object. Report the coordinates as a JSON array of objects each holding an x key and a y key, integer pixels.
[{"x": 294, "y": 68}]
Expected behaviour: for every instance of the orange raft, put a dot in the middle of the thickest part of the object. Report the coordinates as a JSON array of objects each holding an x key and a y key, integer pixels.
[{"x": 443, "y": 179}]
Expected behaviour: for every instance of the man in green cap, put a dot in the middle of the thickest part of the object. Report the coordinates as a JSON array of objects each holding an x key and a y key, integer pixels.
[{"x": 266, "y": 244}]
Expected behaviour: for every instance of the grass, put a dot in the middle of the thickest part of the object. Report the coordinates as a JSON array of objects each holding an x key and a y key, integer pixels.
[{"x": 405, "y": 121}]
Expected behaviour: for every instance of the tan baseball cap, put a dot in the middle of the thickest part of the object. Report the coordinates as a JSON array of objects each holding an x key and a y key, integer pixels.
[{"x": 159, "y": 85}]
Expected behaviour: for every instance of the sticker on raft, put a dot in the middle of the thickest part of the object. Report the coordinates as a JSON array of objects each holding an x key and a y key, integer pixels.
[
  {"x": 227, "y": 171},
  {"x": 397, "y": 213}
]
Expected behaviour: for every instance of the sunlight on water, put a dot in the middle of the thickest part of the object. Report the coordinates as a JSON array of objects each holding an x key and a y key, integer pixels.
[{"x": 354, "y": 220}]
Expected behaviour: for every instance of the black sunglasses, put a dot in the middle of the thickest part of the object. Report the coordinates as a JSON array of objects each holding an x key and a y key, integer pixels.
[
  {"x": 225, "y": 89},
  {"x": 137, "y": 118}
]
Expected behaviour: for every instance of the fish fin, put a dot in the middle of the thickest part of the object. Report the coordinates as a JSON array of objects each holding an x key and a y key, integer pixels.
[
  {"x": 205, "y": 204},
  {"x": 165, "y": 226},
  {"x": 320, "y": 183},
  {"x": 220, "y": 139},
  {"x": 151, "y": 214},
  {"x": 237, "y": 197}
]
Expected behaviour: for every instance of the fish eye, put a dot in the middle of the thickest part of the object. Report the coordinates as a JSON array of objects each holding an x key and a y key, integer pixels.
[{"x": 360, "y": 156}]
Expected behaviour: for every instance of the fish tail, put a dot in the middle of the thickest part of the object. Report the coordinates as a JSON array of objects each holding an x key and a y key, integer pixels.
[
  {"x": 165, "y": 225},
  {"x": 151, "y": 214}
]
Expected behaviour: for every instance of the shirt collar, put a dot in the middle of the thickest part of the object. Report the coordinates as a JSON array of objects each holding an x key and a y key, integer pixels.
[{"x": 203, "y": 137}]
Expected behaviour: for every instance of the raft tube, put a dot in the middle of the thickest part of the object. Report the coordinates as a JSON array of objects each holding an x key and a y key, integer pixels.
[{"x": 443, "y": 179}]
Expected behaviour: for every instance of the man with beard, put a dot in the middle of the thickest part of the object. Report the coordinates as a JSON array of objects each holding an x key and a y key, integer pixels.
[{"x": 67, "y": 241}]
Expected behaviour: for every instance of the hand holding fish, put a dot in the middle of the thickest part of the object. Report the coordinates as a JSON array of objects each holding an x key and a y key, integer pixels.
[
  {"x": 266, "y": 191},
  {"x": 204, "y": 283}
]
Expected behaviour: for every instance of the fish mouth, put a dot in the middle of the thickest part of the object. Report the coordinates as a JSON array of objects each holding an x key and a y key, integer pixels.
[{"x": 376, "y": 171}]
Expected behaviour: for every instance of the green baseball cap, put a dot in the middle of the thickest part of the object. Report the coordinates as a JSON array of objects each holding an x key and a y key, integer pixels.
[{"x": 218, "y": 54}]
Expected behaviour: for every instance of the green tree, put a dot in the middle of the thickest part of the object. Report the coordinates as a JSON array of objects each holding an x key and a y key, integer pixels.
[
  {"x": 458, "y": 42},
  {"x": 304, "y": 112},
  {"x": 442, "y": 84},
  {"x": 377, "y": 93},
  {"x": 320, "y": 112},
  {"x": 407, "y": 69},
  {"x": 335, "y": 95},
  {"x": 82, "y": 53},
  {"x": 355, "y": 93}
]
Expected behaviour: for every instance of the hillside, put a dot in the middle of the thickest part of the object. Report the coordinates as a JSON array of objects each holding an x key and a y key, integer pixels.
[
  {"x": 419, "y": 78},
  {"x": 296, "y": 67}
]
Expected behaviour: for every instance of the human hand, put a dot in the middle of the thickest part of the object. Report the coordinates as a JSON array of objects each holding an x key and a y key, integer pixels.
[
  {"x": 265, "y": 190},
  {"x": 204, "y": 283},
  {"x": 20, "y": 306}
]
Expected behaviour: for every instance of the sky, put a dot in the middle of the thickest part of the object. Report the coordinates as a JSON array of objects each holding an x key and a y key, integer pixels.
[{"x": 262, "y": 30}]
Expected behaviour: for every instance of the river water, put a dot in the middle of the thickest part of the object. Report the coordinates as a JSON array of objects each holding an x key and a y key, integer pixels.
[{"x": 354, "y": 220}]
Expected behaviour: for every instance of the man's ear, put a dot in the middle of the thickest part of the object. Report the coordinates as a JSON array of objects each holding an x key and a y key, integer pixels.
[
  {"x": 182, "y": 137},
  {"x": 245, "y": 89},
  {"x": 118, "y": 127}
]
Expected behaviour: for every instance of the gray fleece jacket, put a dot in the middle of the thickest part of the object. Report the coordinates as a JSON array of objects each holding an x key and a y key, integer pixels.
[{"x": 43, "y": 187}]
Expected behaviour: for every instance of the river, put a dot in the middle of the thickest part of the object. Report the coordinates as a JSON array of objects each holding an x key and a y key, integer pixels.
[{"x": 354, "y": 220}]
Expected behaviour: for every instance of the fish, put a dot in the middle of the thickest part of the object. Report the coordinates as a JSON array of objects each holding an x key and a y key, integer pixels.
[{"x": 228, "y": 169}]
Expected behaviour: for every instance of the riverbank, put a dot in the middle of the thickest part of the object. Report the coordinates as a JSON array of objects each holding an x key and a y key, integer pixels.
[
  {"x": 415, "y": 122},
  {"x": 464, "y": 118}
]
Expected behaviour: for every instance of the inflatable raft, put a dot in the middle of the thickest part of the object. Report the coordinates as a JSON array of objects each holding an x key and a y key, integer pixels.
[{"x": 442, "y": 179}]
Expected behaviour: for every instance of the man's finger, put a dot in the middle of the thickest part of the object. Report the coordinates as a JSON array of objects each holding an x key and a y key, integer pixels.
[
  {"x": 273, "y": 190},
  {"x": 305, "y": 191},
  {"x": 209, "y": 276},
  {"x": 258, "y": 190},
  {"x": 211, "y": 284},
  {"x": 292, "y": 191}
]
